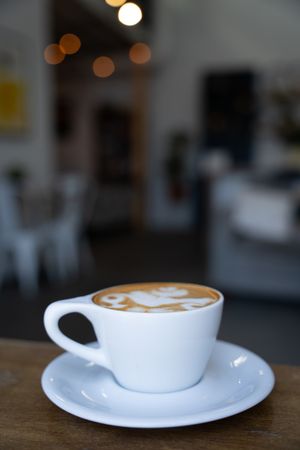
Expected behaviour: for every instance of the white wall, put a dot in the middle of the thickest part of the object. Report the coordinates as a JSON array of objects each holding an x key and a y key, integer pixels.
[
  {"x": 194, "y": 37},
  {"x": 30, "y": 21}
]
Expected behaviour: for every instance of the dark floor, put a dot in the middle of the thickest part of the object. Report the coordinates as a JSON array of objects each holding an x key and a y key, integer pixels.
[{"x": 268, "y": 328}]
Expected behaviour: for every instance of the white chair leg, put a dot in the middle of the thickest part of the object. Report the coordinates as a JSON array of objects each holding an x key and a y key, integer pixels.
[
  {"x": 66, "y": 250},
  {"x": 26, "y": 262}
]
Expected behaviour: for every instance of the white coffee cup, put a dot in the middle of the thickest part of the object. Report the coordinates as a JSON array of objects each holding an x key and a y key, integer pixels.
[{"x": 146, "y": 352}]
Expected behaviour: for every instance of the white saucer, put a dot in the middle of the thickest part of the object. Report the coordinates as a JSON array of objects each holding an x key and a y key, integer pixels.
[{"x": 235, "y": 380}]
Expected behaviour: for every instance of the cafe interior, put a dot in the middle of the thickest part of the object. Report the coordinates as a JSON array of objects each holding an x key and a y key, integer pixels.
[{"x": 154, "y": 140}]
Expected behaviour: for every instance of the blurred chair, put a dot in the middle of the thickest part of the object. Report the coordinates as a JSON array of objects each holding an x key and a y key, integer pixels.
[
  {"x": 70, "y": 246},
  {"x": 21, "y": 249}
]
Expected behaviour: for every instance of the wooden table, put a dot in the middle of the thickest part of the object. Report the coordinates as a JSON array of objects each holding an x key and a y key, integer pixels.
[{"x": 28, "y": 420}]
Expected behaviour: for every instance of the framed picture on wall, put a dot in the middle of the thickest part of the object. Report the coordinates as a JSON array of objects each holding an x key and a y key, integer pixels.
[{"x": 14, "y": 118}]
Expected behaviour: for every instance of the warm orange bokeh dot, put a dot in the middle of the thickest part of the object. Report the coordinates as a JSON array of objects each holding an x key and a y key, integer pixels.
[
  {"x": 70, "y": 43},
  {"x": 115, "y": 3},
  {"x": 140, "y": 53},
  {"x": 103, "y": 67},
  {"x": 53, "y": 54}
]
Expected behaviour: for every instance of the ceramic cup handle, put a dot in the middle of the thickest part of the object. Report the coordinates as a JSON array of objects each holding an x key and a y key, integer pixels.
[{"x": 51, "y": 318}]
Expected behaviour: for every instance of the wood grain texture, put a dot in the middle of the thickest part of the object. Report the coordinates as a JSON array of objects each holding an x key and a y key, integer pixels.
[{"x": 28, "y": 420}]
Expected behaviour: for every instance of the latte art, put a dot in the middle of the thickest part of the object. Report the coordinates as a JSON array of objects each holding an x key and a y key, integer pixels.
[{"x": 156, "y": 297}]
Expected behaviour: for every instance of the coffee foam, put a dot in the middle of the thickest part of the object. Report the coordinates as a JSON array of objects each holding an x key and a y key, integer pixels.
[{"x": 156, "y": 297}]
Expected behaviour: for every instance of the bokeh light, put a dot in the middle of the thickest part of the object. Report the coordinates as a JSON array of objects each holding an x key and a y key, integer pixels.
[
  {"x": 130, "y": 14},
  {"x": 115, "y": 3},
  {"x": 103, "y": 67},
  {"x": 70, "y": 43},
  {"x": 53, "y": 54},
  {"x": 140, "y": 53}
]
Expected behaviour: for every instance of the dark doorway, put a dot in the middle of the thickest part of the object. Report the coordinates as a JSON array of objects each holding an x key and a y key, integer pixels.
[{"x": 229, "y": 114}]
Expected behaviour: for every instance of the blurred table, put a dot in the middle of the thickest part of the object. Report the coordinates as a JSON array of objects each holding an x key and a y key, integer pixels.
[{"x": 28, "y": 420}]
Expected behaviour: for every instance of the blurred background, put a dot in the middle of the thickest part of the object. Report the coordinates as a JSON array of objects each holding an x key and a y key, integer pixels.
[{"x": 152, "y": 141}]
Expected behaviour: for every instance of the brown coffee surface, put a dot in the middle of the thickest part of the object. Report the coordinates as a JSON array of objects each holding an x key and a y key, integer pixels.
[{"x": 156, "y": 297}]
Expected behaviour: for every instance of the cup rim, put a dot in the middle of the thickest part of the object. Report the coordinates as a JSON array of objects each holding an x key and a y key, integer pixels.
[{"x": 193, "y": 311}]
